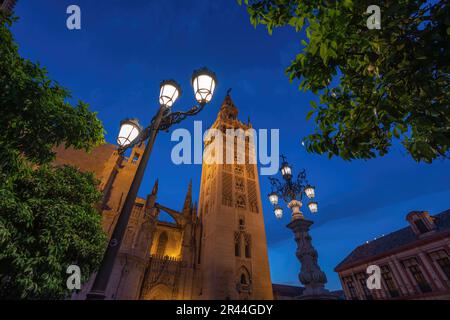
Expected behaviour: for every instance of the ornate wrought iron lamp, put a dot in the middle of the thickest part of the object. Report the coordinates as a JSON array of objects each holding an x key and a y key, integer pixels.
[
  {"x": 291, "y": 192},
  {"x": 131, "y": 134}
]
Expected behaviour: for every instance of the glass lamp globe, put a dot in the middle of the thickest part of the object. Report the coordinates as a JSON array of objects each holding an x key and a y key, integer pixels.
[
  {"x": 273, "y": 198},
  {"x": 310, "y": 192},
  {"x": 170, "y": 90},
  {"x": 129, "y": 130},
  {"x": 312, "y": 207},
  {"x": 204, "y": 82},
  {"x": 278, "y": 212},
  {"x": 286, "y": 171}
]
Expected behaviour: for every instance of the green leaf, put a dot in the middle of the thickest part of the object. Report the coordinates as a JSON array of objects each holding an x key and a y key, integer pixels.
[{"x": 324, "y": 52}]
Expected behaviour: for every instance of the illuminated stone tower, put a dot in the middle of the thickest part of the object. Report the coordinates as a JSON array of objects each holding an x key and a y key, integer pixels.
[{"x": 233, "y": 249}]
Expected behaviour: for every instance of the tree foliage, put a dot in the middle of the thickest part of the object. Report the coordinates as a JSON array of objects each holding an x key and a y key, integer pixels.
[
  {"x": 47, "y": 223},
  {"x": 374, "y": 86},
  {"x": 47, "y": 215}
]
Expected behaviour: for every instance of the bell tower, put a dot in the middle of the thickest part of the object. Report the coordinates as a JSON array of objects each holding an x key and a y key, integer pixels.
[{"x": 233, "y": 248}]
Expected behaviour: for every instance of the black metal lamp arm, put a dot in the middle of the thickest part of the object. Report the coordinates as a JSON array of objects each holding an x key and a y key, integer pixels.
[
  {"x": 176, "y": 117},
  {"x": 167, "y": 121}
]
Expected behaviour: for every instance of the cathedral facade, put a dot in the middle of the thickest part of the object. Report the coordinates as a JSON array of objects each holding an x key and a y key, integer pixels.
[{"x": 214, "y": 250}]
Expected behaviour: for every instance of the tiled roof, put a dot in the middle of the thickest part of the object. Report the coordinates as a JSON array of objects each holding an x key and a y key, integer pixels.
[
  {"x": 393, "y": 240},
  {"x": 283, "y": 290},
  {"x": 286, "y": 290}
]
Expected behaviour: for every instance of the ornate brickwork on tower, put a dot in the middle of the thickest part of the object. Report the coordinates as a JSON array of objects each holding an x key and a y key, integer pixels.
[
  {"x": 217, "y": 251},
  {"x": 234, "y": 261}
]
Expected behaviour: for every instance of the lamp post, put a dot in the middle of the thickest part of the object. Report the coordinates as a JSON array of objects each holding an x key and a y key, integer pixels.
[
  {"x": 131, "y": 134},
  {"x": 292, "y": 192}
]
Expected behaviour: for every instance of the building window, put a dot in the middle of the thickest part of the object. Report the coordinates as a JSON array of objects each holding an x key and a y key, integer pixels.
[
  {"x": 386, "y": 274},
  {"x": 351, "y": 288},
  {"x": 362, "y": 279},
  {"x": 243, "y": 279},
  {"x": 240, "y": 201},
  {"x": 420, "y": 279},
  {"x": 413, "y": 266},
  {"x": 442, "y": 259},
  {"x": 162, "y": 243},
  {"x": 241, "y": 224},
  {"x": 248, "y": 242},
  {"x": 421, "y": 226},
  {"x": 238, "y": 170},
  {"x": 237, "y": 244},
  {"x": 135, "y": 158},
  {"x": 444, "y": 263},
  {"x": 239, "y": 185}
]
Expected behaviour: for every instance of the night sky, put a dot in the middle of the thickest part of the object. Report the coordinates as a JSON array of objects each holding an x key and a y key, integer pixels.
[{"x": 125, "y": 48}]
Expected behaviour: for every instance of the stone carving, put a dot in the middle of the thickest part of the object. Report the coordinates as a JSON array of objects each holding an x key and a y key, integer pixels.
[{"x": 311, "y": 276}]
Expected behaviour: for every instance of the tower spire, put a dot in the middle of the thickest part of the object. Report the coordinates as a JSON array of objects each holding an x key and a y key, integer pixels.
[
  {"x": 188, "y": 200},
  {"x": 155, "y": 188},
  {"x": 228, "y": 109}
]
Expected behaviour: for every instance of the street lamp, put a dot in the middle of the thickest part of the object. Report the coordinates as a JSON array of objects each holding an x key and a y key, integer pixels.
[
  {"x": 204, "y": 82},
  {"x": 278, "y": 212},
  {"x": 286, "y": 170},
  {"x": 312, "y": 207},
  {"x": 169, "y": 92},
  {"x": 273, "y": 198},
  {"x": 131, "y": 134},
  {"x": 292, "y": 191},
  {"x": 310, "y": 192},
  {"x": 129, "y": 130}
]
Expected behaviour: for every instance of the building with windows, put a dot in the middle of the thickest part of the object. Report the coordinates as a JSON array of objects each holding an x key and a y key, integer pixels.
[
  {"x": 414, "y": 261},
  {"x": 216, "y": 250}
]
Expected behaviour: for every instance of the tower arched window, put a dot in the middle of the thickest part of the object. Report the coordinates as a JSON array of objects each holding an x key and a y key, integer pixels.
[
  {"x": 237, "y": 244},
  {"x": 240, "y": 201},
  {"x": 243, "y": 279},
  {"x": 162, "y": 244},
  {"x": 247, "y": 248}
]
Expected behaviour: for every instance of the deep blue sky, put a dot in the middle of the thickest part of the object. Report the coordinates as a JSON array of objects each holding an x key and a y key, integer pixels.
[{"x": 125, "y": 48}]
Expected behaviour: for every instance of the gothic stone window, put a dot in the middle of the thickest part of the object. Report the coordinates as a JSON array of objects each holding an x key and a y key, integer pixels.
[
  {"x": 442, "y": 259},
  {"x": 241, "y": 223},
  {"x": 135, "y": 157},
  {"x": 162, "y": 243},
  {"x": 243, "y": 279},
  {"x": 137, "y": 209},
  {"x": 386, "y": 274},
  {"x": 240, "y": 201},
  {"x": 238, "y": 169},
  {"x": 248, "y": 243},
  {"x": 237, "y": 244},
  {"x": 413, "y": 266},
  {"x": 239, "y": 184}
]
